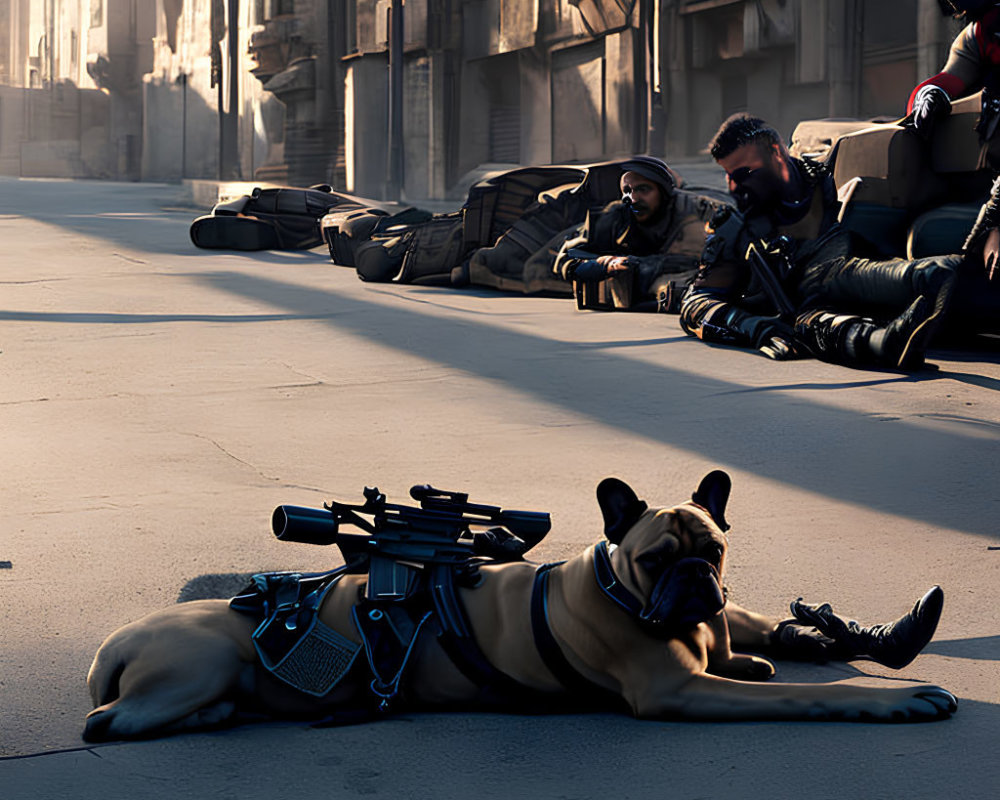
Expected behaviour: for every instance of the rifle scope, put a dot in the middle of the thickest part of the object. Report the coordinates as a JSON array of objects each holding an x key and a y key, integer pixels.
[{"x": 305, "y": 525}]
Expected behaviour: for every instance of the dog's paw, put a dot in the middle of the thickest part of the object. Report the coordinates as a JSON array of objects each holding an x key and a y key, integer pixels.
[
  {"x": 760, "y": 670},
  {"x": 943, "y": 702},
  {"x": 915, "y": 704}
]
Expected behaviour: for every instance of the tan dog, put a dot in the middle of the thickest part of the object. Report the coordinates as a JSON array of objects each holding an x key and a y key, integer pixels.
[{"x": 194, "y": 664}]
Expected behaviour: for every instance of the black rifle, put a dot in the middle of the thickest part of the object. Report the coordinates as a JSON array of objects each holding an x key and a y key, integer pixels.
[
  {"x": 400, "y": 541},
  {"x": 765, "y": 260}
]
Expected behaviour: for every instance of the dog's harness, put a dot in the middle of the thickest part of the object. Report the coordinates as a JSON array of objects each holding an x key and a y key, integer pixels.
[
  {"x": 297, "y": 647},
  {"x": 548, "y": 648},
  {"x": 291, "y": 641},
  {"x": 686, "y": 594}
]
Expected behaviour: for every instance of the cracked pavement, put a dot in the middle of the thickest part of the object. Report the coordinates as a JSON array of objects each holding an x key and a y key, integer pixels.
[{"x": 158, "y": 401}]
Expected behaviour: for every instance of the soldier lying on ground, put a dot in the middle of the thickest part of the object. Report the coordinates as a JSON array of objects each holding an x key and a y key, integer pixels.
[
  {"x": 640, "y": 251},
  {"x": 488, "y": 245},
  {"x": 782, "y": 275}
]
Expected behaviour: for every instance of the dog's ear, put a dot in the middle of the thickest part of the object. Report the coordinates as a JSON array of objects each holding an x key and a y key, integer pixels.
[
  {"x": 712, "y": 494},
  {"x": 620, "y": 507}
]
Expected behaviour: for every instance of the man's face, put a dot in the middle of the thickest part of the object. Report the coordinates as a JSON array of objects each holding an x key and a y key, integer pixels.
[
  {"x": 754, "y": 173},
  {"x": 644, "y": 195}
]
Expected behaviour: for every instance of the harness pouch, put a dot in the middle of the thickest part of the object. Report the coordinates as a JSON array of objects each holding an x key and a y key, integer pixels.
[
  {"x": 316, "y": 662},
  {"x": 291, "y": 641}
]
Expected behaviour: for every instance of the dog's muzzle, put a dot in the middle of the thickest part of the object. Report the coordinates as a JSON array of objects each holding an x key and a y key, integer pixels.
[{"x": 687, "y": 593}]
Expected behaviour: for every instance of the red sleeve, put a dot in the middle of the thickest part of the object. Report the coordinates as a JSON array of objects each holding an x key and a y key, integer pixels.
[{"x": 952, "y": 84}]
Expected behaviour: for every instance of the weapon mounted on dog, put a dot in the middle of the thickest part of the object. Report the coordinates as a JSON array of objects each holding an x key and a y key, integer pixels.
[{"x": 399, "y": 541}]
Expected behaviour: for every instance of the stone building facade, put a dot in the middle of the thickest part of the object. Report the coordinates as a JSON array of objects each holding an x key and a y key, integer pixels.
[{"x": 302, "y": 91}]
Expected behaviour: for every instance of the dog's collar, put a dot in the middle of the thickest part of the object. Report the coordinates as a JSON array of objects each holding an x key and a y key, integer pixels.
[{"x": 609, "y": 583}]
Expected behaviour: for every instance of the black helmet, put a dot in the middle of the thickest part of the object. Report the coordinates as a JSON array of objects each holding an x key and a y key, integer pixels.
[{"x": 973, "y": 9}]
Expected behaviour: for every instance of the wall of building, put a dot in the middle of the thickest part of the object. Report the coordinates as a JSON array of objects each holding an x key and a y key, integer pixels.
[
  {"x": 130, "y": 88},
  {"x": 366, "y": 115}
]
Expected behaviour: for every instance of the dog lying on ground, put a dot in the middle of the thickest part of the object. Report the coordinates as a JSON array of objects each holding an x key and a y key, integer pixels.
[{"x": 648, "y": 629}]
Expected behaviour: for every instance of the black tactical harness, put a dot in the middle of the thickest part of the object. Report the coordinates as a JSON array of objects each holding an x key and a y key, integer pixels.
[
  {"x": 548, "y": 648},
  {"x": 686, "y": 594},
  {"x": 295, "y": 646}
]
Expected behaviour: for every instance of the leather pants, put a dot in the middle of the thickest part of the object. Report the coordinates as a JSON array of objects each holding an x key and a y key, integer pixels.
[{"x": 862, "y": 285}]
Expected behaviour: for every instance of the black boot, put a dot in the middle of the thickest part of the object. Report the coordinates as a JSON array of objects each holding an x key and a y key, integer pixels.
[
  {"x": 894, "y": 644},
  {"x": 903, "y": 341}
]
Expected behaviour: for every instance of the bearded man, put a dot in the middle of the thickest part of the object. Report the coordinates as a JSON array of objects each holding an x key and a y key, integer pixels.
[{"x": 781, "y": 274}]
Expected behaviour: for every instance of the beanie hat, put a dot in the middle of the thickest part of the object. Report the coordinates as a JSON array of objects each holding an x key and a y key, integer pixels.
[{"x": 652, "y": 169}]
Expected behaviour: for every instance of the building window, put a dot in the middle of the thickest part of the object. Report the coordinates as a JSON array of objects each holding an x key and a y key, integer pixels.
[{"x": 96, "y": 13}]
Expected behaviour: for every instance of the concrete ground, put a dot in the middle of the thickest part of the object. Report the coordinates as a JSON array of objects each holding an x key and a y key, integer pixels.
[{"x": 157, "y": 401}]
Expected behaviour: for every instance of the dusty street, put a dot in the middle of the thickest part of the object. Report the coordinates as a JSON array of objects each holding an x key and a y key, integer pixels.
[{"x": 157, "y": 402}]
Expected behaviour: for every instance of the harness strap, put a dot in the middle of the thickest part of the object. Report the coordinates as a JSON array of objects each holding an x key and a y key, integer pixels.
[
  {"x": 460, "y": 646},
  {"x": 548, "y": 647}
]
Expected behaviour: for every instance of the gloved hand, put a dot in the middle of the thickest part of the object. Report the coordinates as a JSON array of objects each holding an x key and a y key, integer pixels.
[
  {"x": 779, "y": 348},
  {"x": 930, "y": 104},
  {"x": 613, "y": 264},
  {"x": 795, "y": 641},
  {"x": 597, "y": 269},
  {"x": 894, "y": 644},
  {"x": 589, "y": 271},
  {"x": 991, "y": 255}
]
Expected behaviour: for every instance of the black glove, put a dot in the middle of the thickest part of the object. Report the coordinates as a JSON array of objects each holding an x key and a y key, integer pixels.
[
  {"x": 894, "y": 644},
  {"x": 794, "y": 641},
  {"x": 930, "y": 104},
  {"x": 590, "y": 270},
  {"x": 781, "y": 348}
]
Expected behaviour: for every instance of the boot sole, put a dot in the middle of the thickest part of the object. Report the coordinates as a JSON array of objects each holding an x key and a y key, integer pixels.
[{"x": 226, "y": 232}]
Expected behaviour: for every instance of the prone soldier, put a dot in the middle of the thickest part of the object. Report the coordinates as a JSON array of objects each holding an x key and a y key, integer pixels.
[{"x": 644, "y": 248}]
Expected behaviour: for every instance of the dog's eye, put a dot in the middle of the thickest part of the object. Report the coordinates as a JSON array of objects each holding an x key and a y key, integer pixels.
[
  {"x": 714, "y": 552},
  {"x": 655, "y": 560},
  {"x": 649, "y": 561}
]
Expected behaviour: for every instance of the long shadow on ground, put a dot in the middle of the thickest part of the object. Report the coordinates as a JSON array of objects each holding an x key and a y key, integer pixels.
[{"x": 930, "y": 473}]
